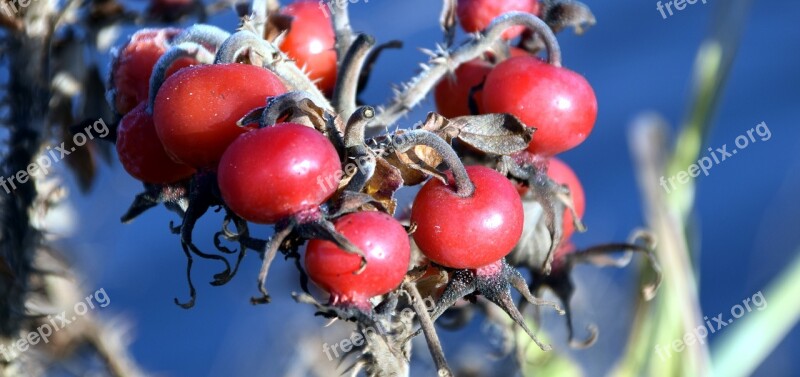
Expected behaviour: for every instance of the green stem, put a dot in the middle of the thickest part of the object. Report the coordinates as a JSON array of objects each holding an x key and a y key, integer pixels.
[{"x": 742, "y": 349}]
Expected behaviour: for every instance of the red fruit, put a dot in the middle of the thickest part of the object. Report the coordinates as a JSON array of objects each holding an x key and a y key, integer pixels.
[
  {"x": 452, "y": 93},
  {"x": 311, "y": 40},
  {"x": 275, "y": 172},
  {"x": 142, "y": 154},
  {"x": 133, "y": 64},
  {"x": 196, "y": 109},
  {"x": 537, "y": 8},
  {"x": 384, "y": 242},
  {"x": 468, "y": 232},
  {"x": 561, "y": 173},
  {"x": 558, "y": 102},
  {"x": 476, "y": 15}
]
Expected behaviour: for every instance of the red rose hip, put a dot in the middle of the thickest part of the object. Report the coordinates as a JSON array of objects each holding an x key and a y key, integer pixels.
[
  {"x": 141, "y": 153},
  {"x": 476, "y": 15},
  {"x": 197, "y": 108},
  {"x": 275, "y": 172},
  {"x": 558, "y": 102},
  {"x": 311, "y": 41},
  {"x": 468, "y": 232},
  {"x": 386, "y": 246}
]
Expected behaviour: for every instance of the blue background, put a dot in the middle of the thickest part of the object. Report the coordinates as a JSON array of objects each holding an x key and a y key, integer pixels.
[{"x": 746, "y": 208}]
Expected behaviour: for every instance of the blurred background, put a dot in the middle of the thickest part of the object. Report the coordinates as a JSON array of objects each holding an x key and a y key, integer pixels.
[{"x": 743, "y": 225}]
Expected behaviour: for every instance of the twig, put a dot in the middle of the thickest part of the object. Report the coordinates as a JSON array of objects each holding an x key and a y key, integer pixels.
[
  {"x": 346, "y": 90},
  {"x": 445, "y": 61},
  {"x": 341, "y": 25},
  {"x": 434, "y": 345}
]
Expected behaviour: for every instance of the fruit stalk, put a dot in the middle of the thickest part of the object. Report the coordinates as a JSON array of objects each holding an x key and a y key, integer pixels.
[
  {"x": 464, "y": 186},
  {"x": 267, "y": 55},
  {"x": 346, "y": 90}
]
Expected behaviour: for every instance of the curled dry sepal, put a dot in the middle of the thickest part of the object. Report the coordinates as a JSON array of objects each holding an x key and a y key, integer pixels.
[{"x": 373, "y": 169}]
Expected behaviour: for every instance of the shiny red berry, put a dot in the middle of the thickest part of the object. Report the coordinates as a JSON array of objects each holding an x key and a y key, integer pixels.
[
  {"x": 141, "y": 153},
  {"x": 468, "y": 232},
  {"x": 476, "y": 15},
  {"x": 311, "y": 41},
  {"x": 558, "y": 102},
  {"x": 133, "y": 63},
  {"x": 452, "y": 93},
  {"x": 275, "y": 172},
  {"x": 197, "y": 108},
  {"x": 386, "y": 246}
]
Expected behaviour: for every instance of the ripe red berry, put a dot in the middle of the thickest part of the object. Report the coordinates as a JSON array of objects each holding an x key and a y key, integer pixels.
[
  {"x": 452, "y": 93},
  {"x": 311, "y": 40},
  {"x": 468, "y": 232},
  {"x": 141, "y": 153},
  {"x": 476, "y": 15},
  {"x": 197, "y": 108},
  {"x": 132, "y": 65},
  {"x": 561, "y": 173},
  {"x": 386, "y": 246},
  {"x": 272, "y": 173},
  {"x": 558, "y": 102}
]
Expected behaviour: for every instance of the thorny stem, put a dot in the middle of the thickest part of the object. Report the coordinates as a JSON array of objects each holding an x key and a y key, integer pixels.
[
  {"x": 183, "y": 50},
  {"x": 357, "y": 150},
  {"x": 267, "y": 55},
  {"x": 341, "y": 25},
  {"x": 346, "y": 90},
  {"x": 356, "y": 126},
  {"x": 277, "y": 107},
  {"x": 434, "y": 345},
  {"x": 211, "y": 37},
  {"x": 260, "y": 11},
  {"x": 419, "y": 86},
  {"x": 464, "y": 186}
]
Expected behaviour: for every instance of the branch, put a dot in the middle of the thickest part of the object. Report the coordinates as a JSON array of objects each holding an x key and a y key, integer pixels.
[
  {"x": 446, "y": 61},
  {"x": 346, "y": 90}
]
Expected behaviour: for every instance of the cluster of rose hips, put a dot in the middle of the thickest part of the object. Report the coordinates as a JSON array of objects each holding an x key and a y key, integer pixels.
[{"x": 243, "y": 122}]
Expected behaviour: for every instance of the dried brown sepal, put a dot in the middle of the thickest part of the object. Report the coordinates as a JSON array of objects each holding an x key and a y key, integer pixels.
[
  {"x": 562, "y": 14},
  {"x": 500, "y": 134},
  {"x": 417, "y": 164},
  {"x": 386, "y": 180}
]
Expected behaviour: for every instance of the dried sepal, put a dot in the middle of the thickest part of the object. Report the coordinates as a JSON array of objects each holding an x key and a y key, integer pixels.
[
  {"x": 384, "y": 183},
  {"x": 500, "y": 134},
  {"x": 561, "y": 14}
]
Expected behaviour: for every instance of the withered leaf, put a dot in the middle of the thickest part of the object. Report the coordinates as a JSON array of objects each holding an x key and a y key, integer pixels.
[
  {"x": 416, "y": 164},
  {"x": 500, "y": 134},
  {"x": 562, "y": 14},
  {"x": 384, "y": 183}
]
